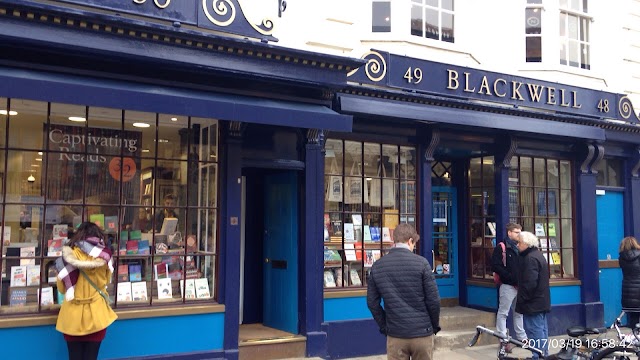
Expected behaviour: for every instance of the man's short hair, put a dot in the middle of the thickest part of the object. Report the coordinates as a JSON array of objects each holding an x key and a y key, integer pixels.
[
  {"x": 404, "y": 232},
  {"x": 169, "y": 196},
  {"x": 529, "y": 238},
  {"x": 513, "y": 226}
]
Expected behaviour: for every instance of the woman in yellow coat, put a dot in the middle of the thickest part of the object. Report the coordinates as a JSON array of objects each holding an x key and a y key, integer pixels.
[{"x": 84, "y": 270}]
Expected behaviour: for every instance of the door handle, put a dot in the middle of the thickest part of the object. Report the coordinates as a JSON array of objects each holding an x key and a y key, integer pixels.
[
  {"x": 433, "y": 261},
  {"x": 266, "y": 260}
]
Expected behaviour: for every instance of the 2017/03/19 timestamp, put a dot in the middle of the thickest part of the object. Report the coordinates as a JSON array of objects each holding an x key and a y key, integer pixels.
[{"x": 571, "y": 343}]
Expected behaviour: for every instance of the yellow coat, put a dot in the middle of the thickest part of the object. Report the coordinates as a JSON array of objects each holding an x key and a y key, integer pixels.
[{"x": 88, "y": 312}]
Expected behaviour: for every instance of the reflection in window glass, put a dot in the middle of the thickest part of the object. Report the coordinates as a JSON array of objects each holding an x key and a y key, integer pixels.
[
  {"x": 574, "y": 34},
  {"x": 609, "y": 173},
  {"x": 433, "y": 19},
  {"x": 381, "y": 16},
  {"x": 154, "y": 196}
]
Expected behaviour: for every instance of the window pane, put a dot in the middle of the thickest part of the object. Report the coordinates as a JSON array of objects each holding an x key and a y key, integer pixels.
[
  {"x": 29, "y": 116},
  {"x": 553, "y": 174},
  {"x": 407, "y": 162},
  {"x": 533, "y": 21},
  {"x": 447, "y": 5},
  {"x": 565, "y": 204},
  {"x": 526, "y": 171},
  {"x": 381, "y": 17},
  {"x": 488, "y": 171},
  {"x": 572, "y": 27},
  {"x": 565, "y": 175},
  {"x": 417, "y": 21},
  {"x": 447, "y": 27},
  {"x": 475, "y": 172},
  {"x": 585, "y": 60},
  {"x": 614, "y": 172},
  {"x": 534, "y": 49},
  {"x": 432, "y": 29},
  {"x": 333, "y": 157},
  {"x": 539, "y": 172},
  {"x": 584, "y": 30},
  {"x": 372, "y": 160}
]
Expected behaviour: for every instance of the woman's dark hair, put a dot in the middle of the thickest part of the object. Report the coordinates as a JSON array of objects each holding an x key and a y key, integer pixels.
[{"x": 86, "y": 230}]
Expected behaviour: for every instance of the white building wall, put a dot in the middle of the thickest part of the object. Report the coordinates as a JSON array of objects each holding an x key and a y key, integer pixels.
[{"x": 489, "y": 35}]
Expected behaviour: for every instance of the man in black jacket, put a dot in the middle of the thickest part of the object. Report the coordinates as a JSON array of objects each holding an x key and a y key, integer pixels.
[
  {"x": 508, "y": 273},
  {"x": 411, "y": 313},
  {"x": 534, "y": 296}
]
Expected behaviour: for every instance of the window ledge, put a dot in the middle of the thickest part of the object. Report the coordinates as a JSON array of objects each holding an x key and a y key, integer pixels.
[
  {"x": 344, "y": 294},
  {"x": 123, "y": 314},
  {"x": 552, "y": 282}
]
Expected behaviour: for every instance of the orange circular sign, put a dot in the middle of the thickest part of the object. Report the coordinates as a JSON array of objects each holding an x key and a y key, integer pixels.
[{"x": 124, "y": 167}]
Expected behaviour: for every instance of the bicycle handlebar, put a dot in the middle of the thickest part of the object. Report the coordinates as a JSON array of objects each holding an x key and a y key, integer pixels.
[{"x": 481, "y": 329}]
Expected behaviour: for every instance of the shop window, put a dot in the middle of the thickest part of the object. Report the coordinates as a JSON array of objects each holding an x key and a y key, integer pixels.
[
  {"x": 575, "y": 47},
  {"x": 609, "y": 173},
  {"x": 150, "y": 180},
  {"x": 369, "y": 189},
  {"x": 381, "y": 16},
  {"x": 541, "y": 200},
  {"x": 533, "y": 30},
  {"x": 433, "y": 19},
  {"x": 482, "y": 215}
]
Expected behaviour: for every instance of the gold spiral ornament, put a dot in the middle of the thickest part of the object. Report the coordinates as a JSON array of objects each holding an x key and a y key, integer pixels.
[
  {"x": 224, "y": 10},
  {"x": 625, "y": 108},
  {"x": 375, "y": 68}
]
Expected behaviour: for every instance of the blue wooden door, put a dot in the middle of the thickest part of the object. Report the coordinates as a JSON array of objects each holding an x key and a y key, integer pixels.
[
  {"x": 445, "y": 240},
  {"x": 610, "y": 220},
  {"x": 280, "y": 286}
]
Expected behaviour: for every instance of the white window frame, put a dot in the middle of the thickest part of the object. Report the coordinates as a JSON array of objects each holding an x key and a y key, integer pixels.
[
  {"x": 568, "y": 41},
  {"x": 440, "y": 11}
]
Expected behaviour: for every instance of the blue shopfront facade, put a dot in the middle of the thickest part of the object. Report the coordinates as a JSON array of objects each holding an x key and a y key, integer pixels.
[{"x": 454, "y": 114}]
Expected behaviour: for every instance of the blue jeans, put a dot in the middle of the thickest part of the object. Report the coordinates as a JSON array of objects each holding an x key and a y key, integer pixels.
[{"x": 535, "y": 325}]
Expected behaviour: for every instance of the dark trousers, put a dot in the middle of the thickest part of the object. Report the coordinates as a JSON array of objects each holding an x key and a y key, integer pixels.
[
  {"x": 83, "y": 350},
  {"x": 632, "y": 319}
]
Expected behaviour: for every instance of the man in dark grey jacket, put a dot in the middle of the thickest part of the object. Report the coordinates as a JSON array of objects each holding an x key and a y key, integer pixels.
[{"x": 411, "y": 313}]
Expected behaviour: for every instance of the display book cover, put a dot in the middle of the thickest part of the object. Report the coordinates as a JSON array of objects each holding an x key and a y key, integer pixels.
[
  {"x": 164, "y": 288},
  {"x": 190, "y": 290},
  {"x": 124, "y": 291},
  {"x": 139, "y": 291},
  {"x": 18, "y": 297},
  {"x": 135, "y": 272}
]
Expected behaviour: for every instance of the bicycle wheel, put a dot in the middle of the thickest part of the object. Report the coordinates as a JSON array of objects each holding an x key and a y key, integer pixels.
[{"x": 618, "y": 353}]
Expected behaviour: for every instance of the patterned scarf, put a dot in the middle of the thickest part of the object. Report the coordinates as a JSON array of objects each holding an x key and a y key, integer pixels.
[{"x": 68, "y": 273}]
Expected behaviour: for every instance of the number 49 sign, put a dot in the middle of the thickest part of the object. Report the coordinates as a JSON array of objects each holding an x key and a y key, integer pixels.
[{"x": 122, "y": 168}]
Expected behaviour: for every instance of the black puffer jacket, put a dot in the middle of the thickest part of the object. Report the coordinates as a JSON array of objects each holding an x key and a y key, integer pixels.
[
  {"x": 630, "y": 264},
  {"x": 534, "y": 295},
  {"x": 508, "y": 274},
  {"x": 404, "y": 281}
]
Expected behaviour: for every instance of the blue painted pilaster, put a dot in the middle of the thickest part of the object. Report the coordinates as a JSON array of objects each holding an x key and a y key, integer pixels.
[
  {"x": 501, "y": 181},
  {"x": 460, "y": 181},
  {"x": 587, "y": 233},
  {"x": 230, "y": 245},
  {"x": 631, "y": 203},
  {"x": 312, "y": 246},
  {"x": 427, "y": 148}
]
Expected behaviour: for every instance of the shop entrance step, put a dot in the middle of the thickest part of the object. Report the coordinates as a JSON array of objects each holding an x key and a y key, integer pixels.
[
  {"x": 257, "y": 341},
  {"x": 459, "y": 325}
]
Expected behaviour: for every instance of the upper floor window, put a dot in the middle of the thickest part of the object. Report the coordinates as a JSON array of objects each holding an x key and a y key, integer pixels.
[
  {"x": 533, "y": 30},
  {"x": 381, "y": 16},
  {"x": 574, "y": 34},
  {"x": 432, "y": 19}
]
